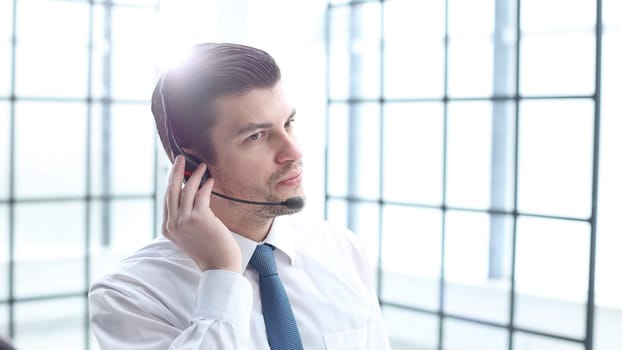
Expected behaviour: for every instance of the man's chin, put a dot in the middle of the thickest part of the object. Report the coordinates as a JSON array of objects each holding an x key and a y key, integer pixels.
[{"x": 293, "y": 204}]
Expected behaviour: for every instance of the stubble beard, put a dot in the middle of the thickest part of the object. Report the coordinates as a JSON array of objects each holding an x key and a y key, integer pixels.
[{"x": 267, "y": 212}]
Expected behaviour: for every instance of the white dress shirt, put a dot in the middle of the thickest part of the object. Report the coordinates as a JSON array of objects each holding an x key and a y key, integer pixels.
[{"x": 159, "y": 299}]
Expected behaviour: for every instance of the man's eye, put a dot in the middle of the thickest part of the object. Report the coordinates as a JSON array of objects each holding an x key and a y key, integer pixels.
[
  {"x": 255, "y": 136},
  {"x": 290, "y": 123}
]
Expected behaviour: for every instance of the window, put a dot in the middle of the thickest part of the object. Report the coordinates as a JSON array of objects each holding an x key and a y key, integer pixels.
[
  {"x": 472, "y": 147},
  {"x": 78, "y": 155}
]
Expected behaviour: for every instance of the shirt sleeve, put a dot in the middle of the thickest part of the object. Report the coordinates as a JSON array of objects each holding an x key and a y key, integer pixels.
[{"x": 125, "y": 316}]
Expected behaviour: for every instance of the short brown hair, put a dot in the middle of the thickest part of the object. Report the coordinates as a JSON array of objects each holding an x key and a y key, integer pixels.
[{"x": 211, "y": 70}]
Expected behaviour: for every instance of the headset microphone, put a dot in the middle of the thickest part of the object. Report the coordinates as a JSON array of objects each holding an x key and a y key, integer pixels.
[
  {"x": 290, "y": 203},
  {"x": 192, "y": 163}
]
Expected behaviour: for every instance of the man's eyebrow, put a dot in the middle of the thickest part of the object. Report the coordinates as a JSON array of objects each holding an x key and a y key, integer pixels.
[
  {"x": 256, "y": 126},
  {"x": 253, "y": 126}
]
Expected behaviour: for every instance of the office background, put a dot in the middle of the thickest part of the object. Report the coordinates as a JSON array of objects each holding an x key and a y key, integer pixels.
[{"x": 472, "y": 145}]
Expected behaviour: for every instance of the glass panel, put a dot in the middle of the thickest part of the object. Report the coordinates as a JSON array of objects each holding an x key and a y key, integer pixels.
[
  {"x": 103, "y": 258},
  {"x": 38, "y": 22},
  {"x": 555, "y": 141},
  {"x": 339, "y": 59},
  {"x": 63, "y": 72},
  {"x": 145, "y": 3},
  {"x": 130, "y": 226},
  {"x": 131, "y": 70},
  {"x": 5, "y": 67},
  {"x": 608, "y": 288},
  {"x": 6, "y": 31},
  {"x": 552, "y": 260},
  {"x": 365, "y": 224},
  {"x": 408, "y": 330},
  {"x": 354, "y": 46},
  {"x": 133, "y": 149},
  {"x": 478, "y": 286},
  {"x": 6, "y": 21},
  {"x": 49, "y": 248},
  {"x": 471, "y": 18},
  {"x": 353, "y": 157},
  {"x": 97, "y": 132},
  {"x": 502, "y": 155},
  {"x": 612, "y": 14},
  {"x": 557, "y": 64},
  {"x": 131, "y": 153},
  {"x": 480, "y": 155},
  {"x": 50, "y": 149},
  {"x": 5, "y": 149},
  {"x": 363, "y": 219},
  {"x": 524, "y": 341},
  {"x": 607, "y": 335},
  {"x": 411, "y": 254},
  {"x": 4, "y": 255},
  {"x": 469, "y": 137},
  {"x": 340, "y": 2},
  {"x": 4, "y": 320},
  {"x": 504, "y": 56},
  {"x": 93, "y": 342},
  {"x": 460, "y": 335},
  {"x": 337, "y": 150},
  {"x": 557, "y": 15},
  {"x": 414, "y": 49},
  {"x": 414, "y": 71},
  {"x": 41, "y": 323},
  {"x": 470, "y": 67},
  {"x": 337, "y": 212},
  {"x": 413, "y": 153}
]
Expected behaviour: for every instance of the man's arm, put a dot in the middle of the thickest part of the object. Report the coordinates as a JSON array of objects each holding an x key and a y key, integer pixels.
[
  {"x": 190, "y": 223},
  {"x": 125, "y": 316}
]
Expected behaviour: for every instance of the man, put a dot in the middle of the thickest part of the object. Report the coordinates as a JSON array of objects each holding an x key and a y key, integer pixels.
[
  {"x": 5, "y": 344},
  {"x": 232, "y": 272}
]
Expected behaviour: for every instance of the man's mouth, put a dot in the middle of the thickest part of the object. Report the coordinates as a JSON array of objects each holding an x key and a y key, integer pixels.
[{"x": 292, "y": 180}]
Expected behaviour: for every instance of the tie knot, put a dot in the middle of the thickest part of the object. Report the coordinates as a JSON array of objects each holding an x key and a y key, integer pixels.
[{"x": 263, "y": 260}]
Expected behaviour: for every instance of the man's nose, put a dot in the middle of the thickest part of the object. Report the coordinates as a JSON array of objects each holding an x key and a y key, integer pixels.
[{"x": 289, "y": 151}]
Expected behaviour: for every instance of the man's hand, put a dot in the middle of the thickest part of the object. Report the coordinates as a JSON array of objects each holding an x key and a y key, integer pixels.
[{"x": 190, "y": 223}]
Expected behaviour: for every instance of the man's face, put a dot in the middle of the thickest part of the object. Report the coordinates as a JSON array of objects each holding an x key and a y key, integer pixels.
[{"x": 257, "y": 154}]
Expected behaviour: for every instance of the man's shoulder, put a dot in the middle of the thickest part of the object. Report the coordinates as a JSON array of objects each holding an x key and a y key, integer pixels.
[
  {"x": 156, "y": 261},
  {"x": 157, "y": 281},
  {"x": 158, "y": 251}
]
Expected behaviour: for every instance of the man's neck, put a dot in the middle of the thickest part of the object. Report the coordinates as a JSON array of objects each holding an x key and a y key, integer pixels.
[{"x": 245, "y": 224}]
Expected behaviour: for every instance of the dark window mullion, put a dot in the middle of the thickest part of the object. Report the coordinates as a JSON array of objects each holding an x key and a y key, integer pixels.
[
  {"x": 512, "y": 310},
  {"x": 589, "y": 331},
  {"x": 88, "y": 202},
  {"x": 442, "y": 281},
  {"x": 379, "y": 272},
  {"x": 12, "y": 167}
]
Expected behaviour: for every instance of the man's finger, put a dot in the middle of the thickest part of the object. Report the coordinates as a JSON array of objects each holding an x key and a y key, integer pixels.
[
  {"x": 174, "y": 186},
  {"x": 203, "y": 197},
  {"x": 188, "y": 193}
]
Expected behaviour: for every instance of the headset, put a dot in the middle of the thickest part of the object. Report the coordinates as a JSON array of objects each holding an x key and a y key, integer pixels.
[{"x": 192, "y": 162}]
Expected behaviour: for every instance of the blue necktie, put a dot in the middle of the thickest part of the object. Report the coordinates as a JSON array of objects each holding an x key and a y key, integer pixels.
[{"x": 277, "y": 312}]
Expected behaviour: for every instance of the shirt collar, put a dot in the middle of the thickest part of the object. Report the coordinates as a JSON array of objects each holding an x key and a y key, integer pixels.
[{"x": 279, "y": 237}]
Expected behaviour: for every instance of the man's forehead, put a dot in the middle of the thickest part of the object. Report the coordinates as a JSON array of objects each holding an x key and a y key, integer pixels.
[{"x": 257, "y": 106}]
